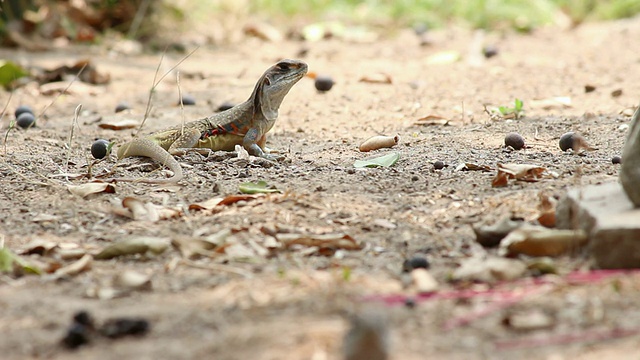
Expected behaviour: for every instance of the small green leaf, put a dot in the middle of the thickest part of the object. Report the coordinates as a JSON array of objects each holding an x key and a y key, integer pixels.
[
  {"x": 8, "y": 260},
  {"x": 10, "y": 71},
  {"x": 260, "y": 187},
  {"x": 519, "y": 105},
  {"x": 384, "y": 161},
  {"x": 504, "y": 110}
]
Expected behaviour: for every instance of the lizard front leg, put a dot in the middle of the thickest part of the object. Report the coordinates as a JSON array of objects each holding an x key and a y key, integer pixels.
[
  {"x": 250, "y": 142},
  {"x": 186, "y": 142}
]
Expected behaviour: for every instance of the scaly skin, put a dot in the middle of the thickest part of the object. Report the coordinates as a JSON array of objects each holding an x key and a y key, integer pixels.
[{"x": 246, "y": 124}]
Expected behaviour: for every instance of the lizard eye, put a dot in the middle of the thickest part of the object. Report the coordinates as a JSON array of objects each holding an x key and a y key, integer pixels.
[{"x": 283, "y": 66}]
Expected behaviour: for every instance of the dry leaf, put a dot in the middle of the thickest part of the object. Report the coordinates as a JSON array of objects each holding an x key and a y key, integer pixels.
[
  {"x": 472, "y": 167},
  {"x": 263, "y": 31},
  {"x": 379, "y": 142},
  {"x": 523, "y": 172},
  {"x": 75, "y": 268},
  {"x": 432, "y": 120},
  {"x": 327, "y": 241},
  {"x": 540, "y": 241},
  {"x": 40, "y": 247},
  {"x": 207, "y": 204},
  {"x": 489, "y": 270},
  {"x": 132, "y": 280},
  {"x": 116, "y": 124},
  {"x": 423, "y": 281},
  {"x": 377, "y": 78},
  {"x": 191, "y": 247},
  {"x": 146, "y": 211},
  {"x": 87, "y": 189},
  {"x": 138, "y": 245},
  {"x": 443, "y": 58},
  {"x": 547, "y": 209}
]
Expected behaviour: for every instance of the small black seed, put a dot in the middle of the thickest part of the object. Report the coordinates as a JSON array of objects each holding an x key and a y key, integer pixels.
[
  {"x": 99, "y": 148},
  {"x": 514, "y": 140},
  {"x": 567, "y": 141},
  {"x": 589, "y": 88},
  {"x": 77, "y": 335},
  {"x": 23, "y": 109},
  {"x": 616, "y": 159},
  {"x": 490, "y": 51},
  {"x": 438, "y": 165},
  {"x": 26, "y": 120},
  {"x": 188, "y": 99},
  {"x": 83, "y": 318},
  {"x": 410, "y": 303},
  {"x": 324, "y": 83},
  {"x": 225, "y": 106},
  {"x": 122, "y": 106},
  {"x": 418, "y": 262},
  {"x": 415, "y": 178}
]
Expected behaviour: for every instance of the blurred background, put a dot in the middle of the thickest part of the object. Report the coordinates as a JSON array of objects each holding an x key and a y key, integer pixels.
[{"x": 43, "y": 24}]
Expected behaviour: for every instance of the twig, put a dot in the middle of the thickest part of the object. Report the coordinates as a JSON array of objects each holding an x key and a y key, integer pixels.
[
  {"x": 73, "y": 123},
  {"x": 218, "y": 267},
  {"x": 137, "y": 19}
]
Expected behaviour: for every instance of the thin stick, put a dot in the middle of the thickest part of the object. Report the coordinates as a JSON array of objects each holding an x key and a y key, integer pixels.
[
  {"x": 218, "y": 267},
  {"x": 74, "y": 123}
]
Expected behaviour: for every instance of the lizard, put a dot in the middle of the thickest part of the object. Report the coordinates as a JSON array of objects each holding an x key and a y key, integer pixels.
[{"x": 245, "y": 124}]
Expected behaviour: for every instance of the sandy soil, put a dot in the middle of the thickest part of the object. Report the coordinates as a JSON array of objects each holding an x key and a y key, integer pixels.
[{"x": 259, "y": 300}]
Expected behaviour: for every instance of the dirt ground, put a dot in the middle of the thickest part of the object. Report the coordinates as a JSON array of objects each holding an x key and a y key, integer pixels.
[{"x": 264, "y": 301}]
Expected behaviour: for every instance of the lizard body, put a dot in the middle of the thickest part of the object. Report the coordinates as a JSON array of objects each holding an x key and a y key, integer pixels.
[{"x": 245, "y": 124}]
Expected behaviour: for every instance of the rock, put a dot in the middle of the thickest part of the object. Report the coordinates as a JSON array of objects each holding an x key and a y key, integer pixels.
[
  {"x": 533, "y": 240},
  {"x": 423, "y": 281},
  {"x": 492, "y": 269},
  {"x": 630, "y": 169},
  {"x": 611, "y": 222},
  {"x": 529, "y": 320}
]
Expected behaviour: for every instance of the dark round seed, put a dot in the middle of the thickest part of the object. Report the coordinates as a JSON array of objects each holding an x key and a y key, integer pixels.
[
  {"x": 410, "y": 303},
  {"x": 568, "y": 140},
  {"x": 100, "y": 148},
  {"x": 83, "y": 318},
  {"x": 514, "y": 140},
  {"x": 616, "y": 159},
  {"x": 415, "y": 178},
  {"x": 77, "y": 335},
  {"x": 26, "y": 120},
  {"x": 23, "y": 109},
  {"x": 490, "y": 51},
  {"x": 225, "y": 106},
  {"x": 188, "y": 100},
  {"x": 122, "y": 106},
  {"x": 324, "y": 83},
  {"x": 438, "y": 165},
  {"x": 419, "y": 262}
]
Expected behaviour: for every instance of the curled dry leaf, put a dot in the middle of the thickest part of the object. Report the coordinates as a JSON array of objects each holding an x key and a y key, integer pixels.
[
  {"x": 228, "y": 200},
  {"x": 192, "y": 247},
  {"x": 558, "y": 102},
  {"x": 263, "y": 31},
  {"x": 540, "y": 241},
  {"x": 87, "y": 189},
  {"x": 146, "y": 211},
  {"x": 473, "y": 167},
  {"x": 138, "y": 245},
  {"x": 523, "y": 172},
  {"x": 379, "y": 142},
  {"x": 377, "y": 78},
  {"x": 132, "y": 280},
  {"x": 40, "y": 247},
  {"x": 331, "y": 241},
  {"x": 82, "y": 265},
  {"x": 432, "y": 120},
  {"x": 116, "y": 124}
]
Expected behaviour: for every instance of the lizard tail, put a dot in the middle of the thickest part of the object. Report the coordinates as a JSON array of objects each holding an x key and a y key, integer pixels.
[{"x": 148, "y": 148}]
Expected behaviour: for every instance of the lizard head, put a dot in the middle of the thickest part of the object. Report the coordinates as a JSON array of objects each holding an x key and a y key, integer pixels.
[{"x": 274, "y": 85}]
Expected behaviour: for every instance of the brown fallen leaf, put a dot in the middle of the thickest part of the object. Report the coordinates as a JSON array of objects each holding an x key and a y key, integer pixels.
[
  {"x": 326, "y": 241},
  {"x": 192, "y": 247},
  {"x": 472, "y": 167},
  {"x": 119, "y": 124},
  {"x": 379, "y": 142},
  {"x": 433, "y": 120},
  {"x": 547, "y": 209},
  {"x": 539, "y": 241},
  {"x": 377, "y": 78},
  {"x": 263, "y": 31},
  {"x": 212, "y": 203},
  {"x": 523, "y": 172},
  {"x": 87, "y": 189}
]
